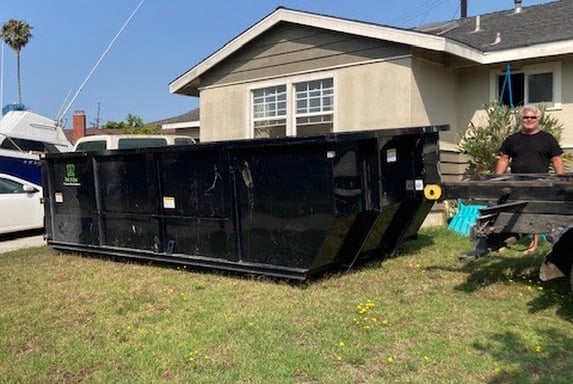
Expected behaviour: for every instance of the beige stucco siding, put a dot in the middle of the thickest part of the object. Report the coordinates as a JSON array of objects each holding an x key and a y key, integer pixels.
[
  {"x": 224, "y": 113},
  {"x": 387, "y": 94},
  {"x": 373, "y": 96},
  {"x": 377, "y": 84},
  {"x": 473, "y": 95},
  {"x": 370, "y": 96},
  {"x": 434, "y": 90},
  {"x": 565, "y": 114}
]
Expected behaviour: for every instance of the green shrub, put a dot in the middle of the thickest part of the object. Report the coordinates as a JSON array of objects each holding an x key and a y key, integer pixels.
[{"x": 482, "y": 143}]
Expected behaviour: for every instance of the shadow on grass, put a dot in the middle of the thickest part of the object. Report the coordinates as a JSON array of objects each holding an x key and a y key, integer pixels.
[
  {"x": 511, "y": 265},
  {"x": 372, "y": 260},
  {"x": 416, "y": 244},
  {"x": 497, "y": 267},
  {"x": 528, "y": 361}
]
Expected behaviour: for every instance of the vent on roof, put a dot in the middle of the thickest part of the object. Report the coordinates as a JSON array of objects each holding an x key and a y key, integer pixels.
[
  {"x": 517, "y": 6},
  {"x": 497, "y": 39},
  {"x": 478, "y": 24}
]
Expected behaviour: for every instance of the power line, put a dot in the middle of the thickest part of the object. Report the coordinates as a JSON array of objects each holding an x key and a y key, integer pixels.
[
  {"x": 100, "y": 60},
  {"x": 418, "y": 11}
]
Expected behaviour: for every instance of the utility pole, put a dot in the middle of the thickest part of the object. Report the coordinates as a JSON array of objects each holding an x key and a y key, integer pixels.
[
  {"x": 464, "y": 8},
  {"x": 97, "y": 120}
]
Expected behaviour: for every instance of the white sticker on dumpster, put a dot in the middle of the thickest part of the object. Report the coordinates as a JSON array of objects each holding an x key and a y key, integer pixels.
[
  {"x": 391, "y": 155},
  {"x": 59, "y": 197},
  {"x": 419, "y": 184},
  {"x": 168, "y": 202}
]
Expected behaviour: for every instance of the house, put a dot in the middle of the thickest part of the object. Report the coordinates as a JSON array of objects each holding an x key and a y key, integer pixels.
[
  {"x": 185, "y": 124},
  {"x": 298, "y": 73}
]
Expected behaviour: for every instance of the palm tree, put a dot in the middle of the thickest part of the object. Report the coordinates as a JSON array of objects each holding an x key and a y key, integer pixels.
[{"x": 17, "y": 34}]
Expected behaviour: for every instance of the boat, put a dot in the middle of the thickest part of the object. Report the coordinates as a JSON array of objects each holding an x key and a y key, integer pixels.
[{"x": 24, "y": 135}]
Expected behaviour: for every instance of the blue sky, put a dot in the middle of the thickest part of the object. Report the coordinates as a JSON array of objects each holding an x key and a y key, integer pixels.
[{"x": 164, "y": 39}]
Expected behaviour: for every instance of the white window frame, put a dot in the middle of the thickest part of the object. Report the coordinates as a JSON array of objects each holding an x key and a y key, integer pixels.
[
  {"x": 310, "y": 114},
  {"x": 552, "y": 67},
  {"x": 291, "y": 99},
  {"x": 277, "y": 116}
]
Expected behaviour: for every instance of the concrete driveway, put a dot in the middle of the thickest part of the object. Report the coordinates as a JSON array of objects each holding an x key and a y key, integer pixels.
[{"x": 20, "y": 241}]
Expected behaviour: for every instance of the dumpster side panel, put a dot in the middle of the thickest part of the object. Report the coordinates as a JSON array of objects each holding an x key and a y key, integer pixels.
[
  {"x": 357, "y": 199},
  {"x": 197, "y": 204},
  {"x": 127, "y": 186},
  {"x": 72, "y": 213},
  {"x": 408, "y": 163},
  {"x": 285, "y": 203}
]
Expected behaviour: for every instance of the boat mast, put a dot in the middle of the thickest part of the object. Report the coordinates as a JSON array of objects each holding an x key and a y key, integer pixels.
[
  {"x": 2, "y": 77},
  {"x": 61, "y": 116}
]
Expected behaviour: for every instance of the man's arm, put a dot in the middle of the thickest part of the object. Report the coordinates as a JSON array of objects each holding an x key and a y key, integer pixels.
[
  {"x": 502, "y": 164},
  {"x": 557, "y": 162}
]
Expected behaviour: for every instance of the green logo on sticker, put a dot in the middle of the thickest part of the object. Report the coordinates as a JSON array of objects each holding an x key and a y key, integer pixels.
[{"x": 71, "y": 177}]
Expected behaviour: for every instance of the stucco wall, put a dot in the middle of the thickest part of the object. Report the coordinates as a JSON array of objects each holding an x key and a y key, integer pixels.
[
  {"x": 374, "y": 96},
  {"x": 224, "y": 113},
  {"x": 434, "y": 100},
  {"x": 473, "y": 95},
  {"x": 565, "y": 114},
  {"x": 388, "y": 94}
]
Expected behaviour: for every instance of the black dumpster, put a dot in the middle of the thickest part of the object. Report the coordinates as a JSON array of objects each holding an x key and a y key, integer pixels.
[{"x": 290, "y": 207}]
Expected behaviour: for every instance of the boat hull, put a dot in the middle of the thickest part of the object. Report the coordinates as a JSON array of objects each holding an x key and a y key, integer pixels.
[{"x": 21, "y": 164}]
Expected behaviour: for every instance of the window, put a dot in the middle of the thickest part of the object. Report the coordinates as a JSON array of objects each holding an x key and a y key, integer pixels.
[
  {"x": 300, "y": 108},
  {"x": 269, "y": 111},
  {"x": 534, "y": 84},
  {"x": 141, "y": 142},
  {"x": 540, "y": 87},
  {"x": 314, "y": 107},
  {"x": 183, "y": 141},
  {"x": 10, "y": 186},
  {"x": 90, "y": 146}
]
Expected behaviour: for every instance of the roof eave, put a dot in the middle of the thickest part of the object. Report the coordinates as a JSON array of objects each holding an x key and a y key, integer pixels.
[
  {"x": 423, "y": 40},
  {"x": 558, "y": 48},
  {"x": 189, "y": 82}
]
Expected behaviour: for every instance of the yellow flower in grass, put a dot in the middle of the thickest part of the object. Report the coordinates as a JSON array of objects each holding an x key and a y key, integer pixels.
[{"x": 538, "y": 348}]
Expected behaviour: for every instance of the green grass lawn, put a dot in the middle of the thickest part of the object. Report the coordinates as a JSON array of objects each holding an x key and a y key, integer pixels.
[{"x": 419, "y": 317}]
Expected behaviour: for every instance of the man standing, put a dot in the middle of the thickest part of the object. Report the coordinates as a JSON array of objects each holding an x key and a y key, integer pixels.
[{"x": 530, "y": 151}]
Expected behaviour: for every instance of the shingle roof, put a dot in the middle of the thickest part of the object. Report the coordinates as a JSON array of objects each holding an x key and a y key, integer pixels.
[
  {"x": 537, "y": 24},
  {"x": 192, "y": 115}
]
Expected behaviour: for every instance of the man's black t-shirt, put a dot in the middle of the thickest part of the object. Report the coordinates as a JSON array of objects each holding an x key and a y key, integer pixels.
[{"x": 530, "y": 153}]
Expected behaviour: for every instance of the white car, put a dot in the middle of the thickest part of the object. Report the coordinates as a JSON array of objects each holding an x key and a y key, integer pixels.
[{"x": 21, "y": 205}]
